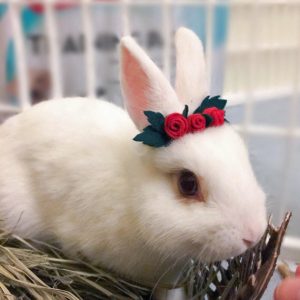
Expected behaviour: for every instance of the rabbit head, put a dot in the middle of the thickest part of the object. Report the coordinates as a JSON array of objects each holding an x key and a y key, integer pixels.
[{"x": 197, "y": 196}]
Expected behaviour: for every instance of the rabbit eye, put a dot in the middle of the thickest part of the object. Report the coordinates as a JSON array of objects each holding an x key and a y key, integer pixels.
[{"x": 188, "y": 183}]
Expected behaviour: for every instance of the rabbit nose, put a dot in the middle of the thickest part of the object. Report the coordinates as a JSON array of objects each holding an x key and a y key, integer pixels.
[{"x": 248, "y": 243}]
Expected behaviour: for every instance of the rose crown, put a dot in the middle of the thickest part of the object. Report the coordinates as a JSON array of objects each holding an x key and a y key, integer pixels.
[{"x": 162, "y": 130}]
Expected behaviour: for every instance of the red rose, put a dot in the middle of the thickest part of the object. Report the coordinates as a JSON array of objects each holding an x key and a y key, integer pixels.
[
  {"x": 176, "y": 125},
  {"x": 216, "y": 114},
  {"x": 197, "y": 122}
]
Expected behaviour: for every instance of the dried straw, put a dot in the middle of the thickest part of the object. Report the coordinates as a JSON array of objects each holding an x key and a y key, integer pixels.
[{"x": 31, "y": 269}]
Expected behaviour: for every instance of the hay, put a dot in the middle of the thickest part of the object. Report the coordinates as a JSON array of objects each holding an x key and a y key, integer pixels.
[{"x": 31, "y": 269}]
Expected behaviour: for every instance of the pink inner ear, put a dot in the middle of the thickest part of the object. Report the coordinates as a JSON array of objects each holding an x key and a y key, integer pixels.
[{"x": 136, "y": 86}]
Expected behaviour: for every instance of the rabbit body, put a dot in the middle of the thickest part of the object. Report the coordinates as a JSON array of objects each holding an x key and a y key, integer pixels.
[
  {"x": 68, "y": 171},
  {"x": 71, "y": 172}
]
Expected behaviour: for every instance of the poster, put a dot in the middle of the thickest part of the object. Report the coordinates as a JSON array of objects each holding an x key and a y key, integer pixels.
[{"x": 146, "y": 24}]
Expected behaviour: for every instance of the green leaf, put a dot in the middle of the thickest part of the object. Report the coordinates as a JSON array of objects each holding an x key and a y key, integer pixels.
[
  {"x": 156, "y": 119},
  {"x": 208, "y": 119},
  {"x": 185, "y": 111},
  {"x": 203, "y": 105},
  {"x": 152, "y": 138},
  {"x": 219, "y": 103},
  {"x": 211, "y": 102}
]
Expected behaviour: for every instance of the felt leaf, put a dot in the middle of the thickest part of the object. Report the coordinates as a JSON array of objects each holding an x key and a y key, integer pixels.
[
  {"x": 185, "y": 111},
  {"x": 156, "y": 119},
  {"x": 208, "y": 119},
  {"x": 211, "y": 102},
  {"x": 204, "y": 104},
  {"x": 218, "y": 103},
  {"x": 152, "y": 138}
]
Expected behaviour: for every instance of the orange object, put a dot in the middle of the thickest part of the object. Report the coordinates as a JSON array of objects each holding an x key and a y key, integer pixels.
[
  {"x": 298, "y": 271},
  {"x": 288, "y": 289}
]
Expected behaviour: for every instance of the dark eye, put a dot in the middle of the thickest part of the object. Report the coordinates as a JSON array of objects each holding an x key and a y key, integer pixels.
[{"x": 188, "y": 183}]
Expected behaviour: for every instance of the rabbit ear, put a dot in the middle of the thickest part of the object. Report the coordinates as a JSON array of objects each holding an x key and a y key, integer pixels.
[
  {"x": 143, "y": 84},
  {"x": 191, "y": 81}
]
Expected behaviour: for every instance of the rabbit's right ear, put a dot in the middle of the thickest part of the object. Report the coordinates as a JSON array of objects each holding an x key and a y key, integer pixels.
[{"x": 144, "y": 86}]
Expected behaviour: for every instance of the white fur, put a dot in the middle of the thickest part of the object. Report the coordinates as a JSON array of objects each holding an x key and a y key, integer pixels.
[
  {"x": 191, "y": 81},
  {"x": 71, "y": 172}
]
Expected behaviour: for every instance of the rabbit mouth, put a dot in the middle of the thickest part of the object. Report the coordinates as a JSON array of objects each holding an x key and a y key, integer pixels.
[{"x": 218, "y": 252}]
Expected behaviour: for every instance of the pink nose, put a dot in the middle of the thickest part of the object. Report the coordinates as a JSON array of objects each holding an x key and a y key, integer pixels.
[{"x": 248, "y": 243}]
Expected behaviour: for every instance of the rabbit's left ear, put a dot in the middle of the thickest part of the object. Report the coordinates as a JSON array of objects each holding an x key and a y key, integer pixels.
[{"x": 191, "y": 80}]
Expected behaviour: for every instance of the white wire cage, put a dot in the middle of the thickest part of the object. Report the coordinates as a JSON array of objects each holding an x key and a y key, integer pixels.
[{"x": 253, "y": 58}]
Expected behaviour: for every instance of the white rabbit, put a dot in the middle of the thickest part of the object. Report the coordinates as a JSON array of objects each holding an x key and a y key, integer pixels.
[{"x": 70, "y": 171}]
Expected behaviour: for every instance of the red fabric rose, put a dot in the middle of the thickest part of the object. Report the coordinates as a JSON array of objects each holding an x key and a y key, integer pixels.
[
  {"x": 197, "y": 122},
  {"x": 216, "y": 114},
  {"x": 176, "y": 125}
]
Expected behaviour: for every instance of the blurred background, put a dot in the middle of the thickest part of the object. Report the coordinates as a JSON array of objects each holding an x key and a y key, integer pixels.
[{"x": 70, "y": 48}]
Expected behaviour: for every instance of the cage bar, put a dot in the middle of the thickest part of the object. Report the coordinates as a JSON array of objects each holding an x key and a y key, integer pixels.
[
  {"x": 89, "y": 48},
  {"x": 249, "y": 100},
  {"x": 54, "y": 51},
  {"x": 125, "y": 17},
  {"x": 166, "y": 7},
  {"x": 209, "y": 28},
  {"x": 23, "y": 87},
  {"x": 293, "y": 110}
]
